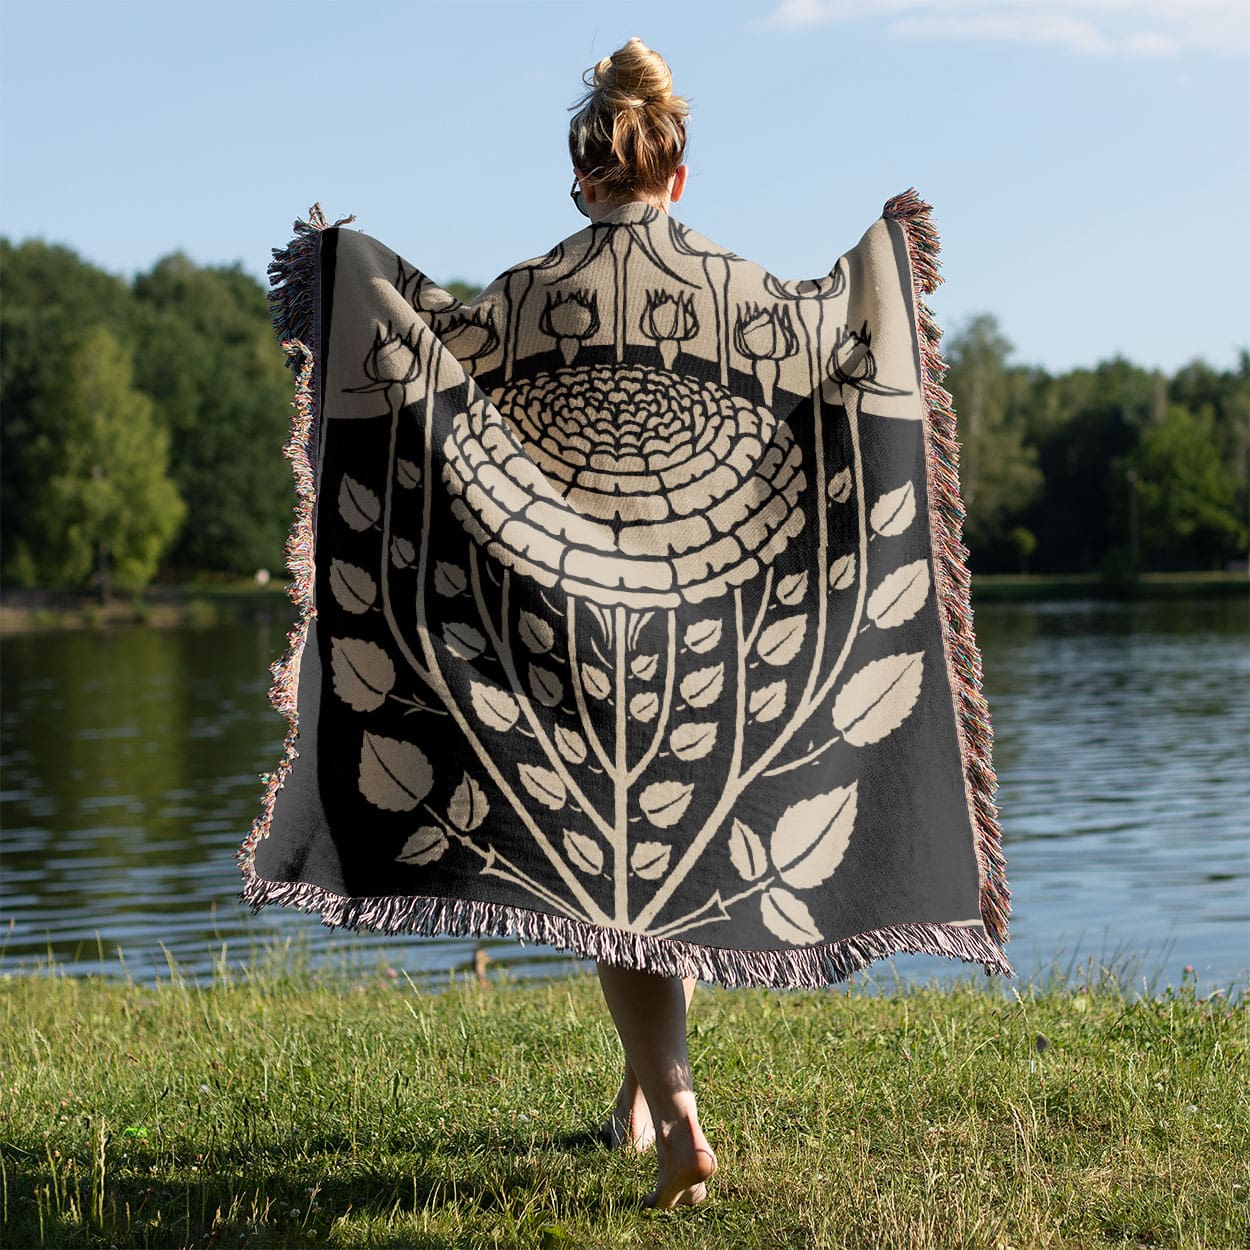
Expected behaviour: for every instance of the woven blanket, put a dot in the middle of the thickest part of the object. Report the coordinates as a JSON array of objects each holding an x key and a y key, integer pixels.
[{"x": 634, "y": 613}]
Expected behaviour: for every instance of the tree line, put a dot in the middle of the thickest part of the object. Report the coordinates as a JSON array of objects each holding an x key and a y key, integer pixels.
[{"x": 142, "y": 424}]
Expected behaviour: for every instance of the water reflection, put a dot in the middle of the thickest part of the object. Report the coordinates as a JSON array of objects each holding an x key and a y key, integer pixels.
[{"x": 131, "y": 763}]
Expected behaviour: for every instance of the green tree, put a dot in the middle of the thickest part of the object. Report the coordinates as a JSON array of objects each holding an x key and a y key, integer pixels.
[
  {"x": 105, "y": 506},
  {"x": 1222, "y": 398},
  {"x": 209, "y": 358},
  {"x": 50, "y": 298},
  {"x": 1024, "y": 543},
  {"x": 997, "y": 467},
  {"x": 1186, "y": 494},
  {"x": 1086, "y": 424},
  {"x": 464, "y": 291}
]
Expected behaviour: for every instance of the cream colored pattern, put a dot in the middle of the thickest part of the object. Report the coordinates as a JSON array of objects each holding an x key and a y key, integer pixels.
[{"x": 625, "y": 485}]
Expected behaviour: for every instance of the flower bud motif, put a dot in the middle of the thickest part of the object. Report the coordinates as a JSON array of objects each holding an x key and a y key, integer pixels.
[
  {"x": 765, "y": 333},
  {"x": 766, "y": 337},
  {"x": 571, "y": 317},
  {"x": 668, "y": 320},
  {"x": 470, "y": 336},
  {"x": 851, "y": 363},
  {"x": 851, "y": 360},
  {"x": 392, "y": 358}
]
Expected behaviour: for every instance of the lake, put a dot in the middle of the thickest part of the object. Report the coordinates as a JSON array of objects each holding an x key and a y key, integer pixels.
[{"x": 130, "y": 776}]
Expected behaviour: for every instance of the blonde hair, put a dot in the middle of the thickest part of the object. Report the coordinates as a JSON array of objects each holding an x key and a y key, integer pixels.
[{"x": 629, "y": 133}]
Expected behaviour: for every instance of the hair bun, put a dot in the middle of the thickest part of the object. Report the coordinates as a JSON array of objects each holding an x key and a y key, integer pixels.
[
  {"x": 633, "y": 77},
  {"x": 630, "y": 129}
]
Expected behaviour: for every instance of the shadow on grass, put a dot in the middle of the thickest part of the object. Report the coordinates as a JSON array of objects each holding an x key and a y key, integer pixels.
[{"x": 268, "y": 1196}]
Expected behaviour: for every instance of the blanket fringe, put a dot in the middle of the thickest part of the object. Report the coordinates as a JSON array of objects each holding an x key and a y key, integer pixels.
[
  {"x": 809, "y": 967},
  {"x": 954, "y": 582},
  {"x": 293, "y": 280},
  {"x": 293, "y": 307}
]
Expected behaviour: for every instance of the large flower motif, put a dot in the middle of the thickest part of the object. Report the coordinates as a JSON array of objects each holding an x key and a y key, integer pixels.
[{"x": 626, "y": 485}]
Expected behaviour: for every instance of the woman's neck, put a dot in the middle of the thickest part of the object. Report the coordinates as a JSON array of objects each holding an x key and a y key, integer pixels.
[{"x": 602, "y": 208}]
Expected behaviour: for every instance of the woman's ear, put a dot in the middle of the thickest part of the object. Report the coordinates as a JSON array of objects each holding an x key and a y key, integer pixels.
[{"x": 679, "y": 183}]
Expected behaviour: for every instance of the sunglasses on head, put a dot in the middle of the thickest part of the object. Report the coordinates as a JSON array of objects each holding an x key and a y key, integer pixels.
[{"x": 578, "y": 199}]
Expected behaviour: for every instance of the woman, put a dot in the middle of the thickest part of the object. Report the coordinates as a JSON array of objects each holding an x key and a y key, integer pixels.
[
  {"x": 628, "y": 142},
  {"x": 641, "y": 617}
]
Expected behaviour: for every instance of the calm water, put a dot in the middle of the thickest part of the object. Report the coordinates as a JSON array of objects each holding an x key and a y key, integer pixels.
[{"x": 131, "y": 760}]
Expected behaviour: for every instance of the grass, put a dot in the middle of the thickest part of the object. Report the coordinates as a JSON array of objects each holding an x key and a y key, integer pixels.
[{"x": 282, "y": 1107}]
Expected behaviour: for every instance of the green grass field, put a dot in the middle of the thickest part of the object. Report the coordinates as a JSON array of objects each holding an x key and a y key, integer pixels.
[{"x": 278, "y": 1108}]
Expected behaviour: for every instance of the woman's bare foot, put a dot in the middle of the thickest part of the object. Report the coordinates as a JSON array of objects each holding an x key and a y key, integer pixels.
[
  {"x": 626, "y": 1133},
  {"x": 686, "y": 1165},
  {"x": 629, "y": 1126}
]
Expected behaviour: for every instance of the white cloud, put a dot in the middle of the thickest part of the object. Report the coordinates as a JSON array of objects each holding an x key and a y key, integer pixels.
[{"x": 1141, "y": 28}]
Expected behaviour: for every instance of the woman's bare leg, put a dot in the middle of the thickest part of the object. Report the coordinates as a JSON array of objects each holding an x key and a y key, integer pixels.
[
  {"x": 630, "y": 1125},
  {"x": 650, "y": 1016}
]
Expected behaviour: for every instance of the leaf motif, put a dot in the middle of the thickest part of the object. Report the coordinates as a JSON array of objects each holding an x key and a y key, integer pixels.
[
  {"x": 353, "y": 588},
  {"x": 812, "y": 835},
  {"x": 842, "y": 572},
  {"x": 358, "y": 505},
  {"x": 788, "y": 917},
  {"x": 449, "y": 579},
  {"x": 664, "y": 803},
  {"x": 363, "y": 673},
  {"x": 468, "y": 805},
  {"x": 780, "y": 642},
  {"x": 423, "y": 847},
  {"x": 495, "y": 707},
  {"x": 790, "y": 590},
  {"x": 702, "y": 635},
  {"x": 544, "y": 785},
  {"x": 403, "y": 553},
  {"x": 840, "y": 486},
  {"x": 650, "y": 859},
  {"x": 596, "y": 681},
  {"x": 583, "y": 852},
  {"x": 570, "y": 744},
  {"x": 879, "y": 698},
  {"x": 768, "y": 702},
  {"x": 900, "y": 596},
  {"x": 894, "y": 511},
  {"x": 746, "y": 852},
  {"x": 703, "y": 686},
  {"x": 643, "y": 706},
  {"x": 603, "y": 620},
  {"x": 643, "y": 666},
  {"x": 636, "y": 622},
  {"x": 546, "y": 686},
  {"x": 394, "y": 775},
  {"x": 407, "y": 474},
  {"x": 694, "y": 740},
  {"x": 536, "y": 633},
  {"x": 463, "y": 640}
]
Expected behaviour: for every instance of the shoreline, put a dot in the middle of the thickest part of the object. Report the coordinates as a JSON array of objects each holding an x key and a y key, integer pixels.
[{"x": 201, "y": 605}]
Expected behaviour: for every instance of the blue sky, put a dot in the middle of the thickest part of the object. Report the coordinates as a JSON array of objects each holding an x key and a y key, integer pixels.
[{"x": 1088, "y": 160}]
